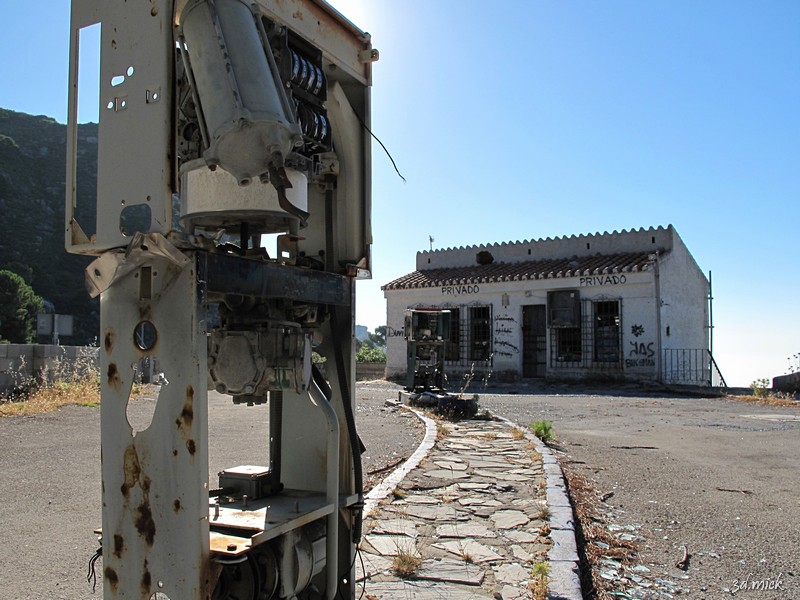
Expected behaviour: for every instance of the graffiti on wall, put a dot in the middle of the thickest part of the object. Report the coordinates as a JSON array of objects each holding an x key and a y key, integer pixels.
[
  {"x": 641, "y": 354},
  {"x": 504, "y": 335}
]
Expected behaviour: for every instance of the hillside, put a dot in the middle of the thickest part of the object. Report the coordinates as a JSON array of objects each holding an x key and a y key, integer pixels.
[{"x": 32, "y": 189}]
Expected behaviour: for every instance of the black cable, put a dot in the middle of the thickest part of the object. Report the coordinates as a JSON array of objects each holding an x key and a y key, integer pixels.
[
  {"x": 91, "y": 575},
  {"x": 355, "y": 442},
  {"x": 349, "y": 569},
  {"x": 363, "y": 571},
  {"x": 396, "y": 170}
]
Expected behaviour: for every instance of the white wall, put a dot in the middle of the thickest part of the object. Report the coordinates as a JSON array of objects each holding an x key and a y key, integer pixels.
[{"x": 636, "y": 294}]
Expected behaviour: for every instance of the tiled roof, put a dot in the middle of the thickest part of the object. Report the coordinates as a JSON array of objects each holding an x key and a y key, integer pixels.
[{"x": 606, "y": 264}]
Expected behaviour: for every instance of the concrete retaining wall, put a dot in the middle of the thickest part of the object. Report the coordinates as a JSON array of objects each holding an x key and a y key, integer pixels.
[
  {"x": 366, "y": 371},
  {"x": 787, "y": 383},
  {"x": 19, "y": 363}
]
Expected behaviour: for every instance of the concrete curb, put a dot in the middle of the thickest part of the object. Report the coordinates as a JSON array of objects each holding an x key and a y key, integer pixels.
[
  {"x": 385, "y": 487},
  {"x": 565, "y": 582}
]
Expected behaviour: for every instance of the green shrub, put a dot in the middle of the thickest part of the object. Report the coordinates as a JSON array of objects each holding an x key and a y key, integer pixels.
[
  {"x": 365, "y": 354},
  {"x": 761, "y": 388},
  {"x": 543, "y": 430}
]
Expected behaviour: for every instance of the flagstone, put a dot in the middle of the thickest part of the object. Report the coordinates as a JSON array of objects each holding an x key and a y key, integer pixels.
[
  {"x": 452, "y": 571},
  {"x": 512, "y": 573},
  {"x": 397, "y": 527},
  {"x": 508, "y": 519},
  {"x": 465, "y": 530},
  {"x": 475, "y": 551},
  {"x": 391, "y": 545}
]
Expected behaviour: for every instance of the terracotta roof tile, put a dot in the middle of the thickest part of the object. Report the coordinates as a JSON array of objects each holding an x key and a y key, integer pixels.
[{"x": 537, "y": 269}]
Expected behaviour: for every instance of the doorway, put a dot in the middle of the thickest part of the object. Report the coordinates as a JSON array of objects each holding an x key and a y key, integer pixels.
[{"x": 534, "y": 340}]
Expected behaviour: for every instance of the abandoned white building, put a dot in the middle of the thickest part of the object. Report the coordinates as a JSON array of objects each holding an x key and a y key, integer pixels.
[{"x": 630, "y": 305}]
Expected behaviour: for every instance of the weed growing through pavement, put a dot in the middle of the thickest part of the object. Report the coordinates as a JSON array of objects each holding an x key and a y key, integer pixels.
[
  {"x": 543, "y": 430},
  {"x": 406, "y": 564},
  {"x": 399, "y": 494},
  {"x": 540, "y": 575}
]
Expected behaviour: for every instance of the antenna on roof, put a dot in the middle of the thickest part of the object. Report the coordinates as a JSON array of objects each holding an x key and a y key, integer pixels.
[{"x": 431, "y": 240}]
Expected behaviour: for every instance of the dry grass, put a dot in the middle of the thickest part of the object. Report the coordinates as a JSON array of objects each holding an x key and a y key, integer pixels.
[
  {"x": 406, "y": 564},
  {"x": 399, "y": 494},
  {"x": 517, "y": 434},
  {"x": 771, "y": 399},
  {"x": 48, "y": 398},
  {"x": 593, "y": 528},
  {"x": 65, "y": 383}
]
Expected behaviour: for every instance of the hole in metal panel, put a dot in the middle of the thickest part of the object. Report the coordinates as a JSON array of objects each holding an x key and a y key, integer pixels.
[
  {"x": 146, "y": 283},
  {"x": 135, "y": 218},
  {"x": 117, "y": 80}
]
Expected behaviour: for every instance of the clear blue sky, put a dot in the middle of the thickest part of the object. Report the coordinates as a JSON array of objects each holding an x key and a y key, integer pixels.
[{"x": 520, "y": 119}]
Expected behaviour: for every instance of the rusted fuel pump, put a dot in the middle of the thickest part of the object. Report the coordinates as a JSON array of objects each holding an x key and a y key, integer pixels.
[{"x": 222, "y": 121}]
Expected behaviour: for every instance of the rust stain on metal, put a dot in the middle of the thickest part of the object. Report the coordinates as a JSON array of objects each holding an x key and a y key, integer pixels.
[
  {"x": 144, "y": 522},
  {"x": 119, "y": 545},
  {"x": 187, "y": 413},
  {"x": 132, "y": 469},
  {"x": 112, "y": 577},
  {"x": 109, "y": 340},
  {"x": 191, "y": 447},
  {"x": 113, "y": 376},
  {"x": 147, "y": 580}
]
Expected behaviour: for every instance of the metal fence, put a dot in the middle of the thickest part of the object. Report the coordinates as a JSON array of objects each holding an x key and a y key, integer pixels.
[{"x": 690, "y": 366}]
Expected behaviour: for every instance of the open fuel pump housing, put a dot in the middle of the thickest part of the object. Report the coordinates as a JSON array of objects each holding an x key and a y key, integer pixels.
[{"x": 220, "y": 121}]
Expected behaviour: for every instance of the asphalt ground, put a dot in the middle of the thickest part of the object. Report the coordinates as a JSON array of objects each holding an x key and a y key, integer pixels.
[
  {"x": 718, "y": 475},
  {"x": 50, "y": 482}
]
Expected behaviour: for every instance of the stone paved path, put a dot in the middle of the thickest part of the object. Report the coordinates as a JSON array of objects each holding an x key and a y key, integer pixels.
[{"x": 473, "y": 514}]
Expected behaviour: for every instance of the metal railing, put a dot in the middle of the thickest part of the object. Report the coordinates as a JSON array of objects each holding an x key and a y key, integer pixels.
[{"x": 690, "y": 366}]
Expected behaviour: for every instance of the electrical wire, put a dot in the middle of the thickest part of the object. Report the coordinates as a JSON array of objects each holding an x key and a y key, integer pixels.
[
  {"x": 349, "y": 569},
  {"x": 91, "y": 575},
  {"x": 385, "y": 149}
]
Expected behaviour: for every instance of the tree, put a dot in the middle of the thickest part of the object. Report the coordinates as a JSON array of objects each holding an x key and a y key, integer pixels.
[
  {"x": 19, "y": 306},
  {"x": 378, "y": 338}
]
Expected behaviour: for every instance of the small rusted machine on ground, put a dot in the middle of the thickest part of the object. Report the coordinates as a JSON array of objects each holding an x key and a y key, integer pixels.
[
  {"x": 427, "y": 331},
  {"x": 222, "y": 122}
]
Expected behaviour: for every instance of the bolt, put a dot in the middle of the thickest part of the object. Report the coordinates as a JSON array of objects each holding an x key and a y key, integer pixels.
[
  {"x": 231, "y": 547},
  {"x": 244, "y": 500},
  {"x": 216, "y": 511}
]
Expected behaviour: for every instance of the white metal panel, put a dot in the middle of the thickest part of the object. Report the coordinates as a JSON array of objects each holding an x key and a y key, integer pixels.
[{"x": 155, "y": 488}]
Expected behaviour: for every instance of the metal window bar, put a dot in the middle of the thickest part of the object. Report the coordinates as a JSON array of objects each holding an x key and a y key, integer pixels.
[
  {"x": 470, "y": 330},
  {"x": 591, "y": 346},
  {"x": 606, "y": 325}
]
